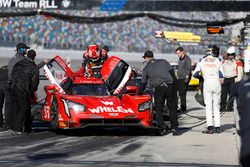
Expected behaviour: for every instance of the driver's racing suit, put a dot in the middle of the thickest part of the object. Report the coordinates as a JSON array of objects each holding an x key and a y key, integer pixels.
[
  {"x": 212, "y": 72},
  {"x": 90, "y": 68}
]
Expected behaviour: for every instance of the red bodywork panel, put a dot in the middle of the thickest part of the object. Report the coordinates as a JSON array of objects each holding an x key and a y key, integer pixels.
[{"x": 98, "y": 110}]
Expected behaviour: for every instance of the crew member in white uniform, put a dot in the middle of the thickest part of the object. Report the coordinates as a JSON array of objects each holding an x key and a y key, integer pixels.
[{"x": 211, "y": 69}]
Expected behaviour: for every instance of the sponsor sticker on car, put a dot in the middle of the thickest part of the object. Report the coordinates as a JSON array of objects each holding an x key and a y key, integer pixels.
[{"x": 117, "y": 109}]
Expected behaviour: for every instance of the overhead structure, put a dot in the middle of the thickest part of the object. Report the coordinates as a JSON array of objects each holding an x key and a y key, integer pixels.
[{"x": 178, "y": 36}]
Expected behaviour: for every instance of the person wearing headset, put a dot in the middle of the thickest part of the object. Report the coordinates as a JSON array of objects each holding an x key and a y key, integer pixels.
[
  {"x": 21, "y": 51},
  {"x": 25, "y": 78}
]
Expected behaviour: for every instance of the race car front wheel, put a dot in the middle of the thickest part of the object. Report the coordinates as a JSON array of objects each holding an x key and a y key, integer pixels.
[{"x": 54, "y": 114}]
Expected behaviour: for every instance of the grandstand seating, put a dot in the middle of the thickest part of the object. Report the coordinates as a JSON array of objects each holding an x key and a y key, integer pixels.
[{"x": 135, "y": 35}]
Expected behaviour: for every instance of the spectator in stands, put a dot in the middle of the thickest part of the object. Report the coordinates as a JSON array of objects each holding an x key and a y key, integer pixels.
[{"x": 124, "y": 36}]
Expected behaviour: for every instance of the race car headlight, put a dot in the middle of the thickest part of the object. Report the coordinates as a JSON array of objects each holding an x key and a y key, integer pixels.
[
  {"x": 76, "y": 107},
  {"x": 144, "y": 106},
  {"x": 66, "y": 108},
  {"x": 69, "y": 106}
]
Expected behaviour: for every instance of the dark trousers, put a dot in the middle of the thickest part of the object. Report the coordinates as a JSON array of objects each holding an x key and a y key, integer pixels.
[
  {"x": 9, "y": 110},
  {"x": 22, "y": 119},
  {"x": 6, "y": 101},
  {"x": 245, "y": 162},
  {"x": 163, "y": 93},
  {"x": 227, "y": 90},
  {"x": 2, "y": 98},
  {"x": 182, "y": 88}
]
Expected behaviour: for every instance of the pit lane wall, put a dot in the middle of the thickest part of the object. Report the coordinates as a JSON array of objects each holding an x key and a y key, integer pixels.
[{"x": 7, "y": 52}]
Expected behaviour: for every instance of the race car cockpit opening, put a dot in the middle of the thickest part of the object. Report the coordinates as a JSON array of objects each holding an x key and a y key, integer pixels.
[{"x": 89, "y": 89}]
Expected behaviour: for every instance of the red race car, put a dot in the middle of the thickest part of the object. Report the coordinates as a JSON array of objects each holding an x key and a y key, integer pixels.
[{"x": 77, "y": 101}]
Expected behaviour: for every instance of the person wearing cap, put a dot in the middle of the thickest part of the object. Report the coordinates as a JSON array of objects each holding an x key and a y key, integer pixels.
[
  {"x": 183, "y": 75},
  {"x": 21, "y": 51},
  {"x": 160, "y": 77},
  {"x": 233, "y": 72},
  {"x": 25, "y": 80}
]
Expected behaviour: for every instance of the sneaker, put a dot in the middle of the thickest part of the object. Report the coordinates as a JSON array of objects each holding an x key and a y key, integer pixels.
[
  {"x": 21, "y": 133},
  {"x": 2, "y": 126},
  {"x": 11, "y": 131},
  {"x": 208, "y": 131},
  {"x": 163, "y": 132},
  {"x": 217, "y": 130},
  {"x": 183, "y": 109},
  {"x": 174, "y": 132}
]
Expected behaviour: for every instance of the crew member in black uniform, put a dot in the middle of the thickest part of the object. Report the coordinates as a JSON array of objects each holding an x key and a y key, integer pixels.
[
  {"x": 21, "y": 51},
  {"x": 159, "y": 75},
  {"x": 24, "y": 81},
  {"x": 241, "y": 92},
  {"x": 3, "y": 82}
]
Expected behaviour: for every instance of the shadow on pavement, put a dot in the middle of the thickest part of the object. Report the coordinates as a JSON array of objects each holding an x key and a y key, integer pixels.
[
  {"x": 108, "y": 131},
  {"x": 107, "y": 163},
  {"x": 195, "y": 109},
  {"x": 227, "y": 127},
  {"x": 183, "y": 130}
]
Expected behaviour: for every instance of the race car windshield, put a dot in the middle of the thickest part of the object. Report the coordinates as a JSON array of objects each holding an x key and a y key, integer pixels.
[{"x": 89, "y": 90}]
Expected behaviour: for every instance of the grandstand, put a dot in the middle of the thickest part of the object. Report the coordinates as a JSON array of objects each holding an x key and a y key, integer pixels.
[{"x": 127, "y": 36}]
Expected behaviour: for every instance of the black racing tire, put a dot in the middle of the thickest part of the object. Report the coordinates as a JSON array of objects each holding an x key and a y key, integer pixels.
[
  {"x": 36, "y": 113},
  {"x": 54, "y": 114}
]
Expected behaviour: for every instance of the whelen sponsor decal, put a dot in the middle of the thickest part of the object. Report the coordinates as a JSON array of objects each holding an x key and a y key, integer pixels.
[
  {"x": 107, "y": 103},
  {"x": 117, "y": 109}
]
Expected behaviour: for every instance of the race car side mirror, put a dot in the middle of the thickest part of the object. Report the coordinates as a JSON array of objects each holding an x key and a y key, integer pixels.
[{"x": 131, "y": 89}]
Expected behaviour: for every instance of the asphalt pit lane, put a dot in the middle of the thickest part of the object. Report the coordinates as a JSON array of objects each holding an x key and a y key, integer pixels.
[
  {"x": 198, "y": 145},
  {"x": 129, "y": 148}
]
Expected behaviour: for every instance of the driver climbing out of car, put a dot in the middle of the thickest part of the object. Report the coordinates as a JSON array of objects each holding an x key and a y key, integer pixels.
[{"x": 92, "y": 62}]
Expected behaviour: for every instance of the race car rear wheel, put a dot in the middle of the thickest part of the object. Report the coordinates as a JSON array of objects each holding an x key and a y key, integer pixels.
[{"x": 54, "y": 114}]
